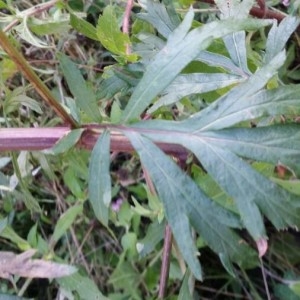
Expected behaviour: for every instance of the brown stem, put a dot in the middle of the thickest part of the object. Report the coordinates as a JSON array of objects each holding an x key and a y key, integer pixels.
[
  {"x": 34, "y": 79},
  {"x": 16, "y": 139},
  {"x": 165, "y": 266}
]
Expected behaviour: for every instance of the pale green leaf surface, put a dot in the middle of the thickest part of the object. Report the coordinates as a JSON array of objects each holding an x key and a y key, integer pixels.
[
  {"x": 188, "y": 84},
  {"x": 236, "y": 42},
  {"x": 83, "y": 94},
  {"x": 218, "y": 60},
  {"x": 99, "y": 178},
  {"x": 277, "y": 144},
  {"x": 235, "y": 8},
  {"x": 228, "y": 110},
  {"x": 177, "y": 53},
  {"x": 184, "y": 202},
  {"x": 279, "y": 35},
  {"x": 157, "y": 15},
  {"x": 65, "y": 221},
  {"x": 236, "y": 46},
  {"x": 67, "y": 142},
  {"x": 28, "y": 36}
]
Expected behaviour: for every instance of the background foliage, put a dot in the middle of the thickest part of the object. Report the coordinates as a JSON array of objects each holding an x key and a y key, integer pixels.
[{"x": 215, "y": 81}]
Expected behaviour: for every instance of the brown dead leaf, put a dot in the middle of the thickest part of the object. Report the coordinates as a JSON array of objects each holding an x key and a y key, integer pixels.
[{"x": 23, "y": 265}]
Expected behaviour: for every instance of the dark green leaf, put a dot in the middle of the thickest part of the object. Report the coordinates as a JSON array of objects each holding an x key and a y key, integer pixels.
[
  {"x": 84, "y": 96},
  {"x": 99, "y": 178},
  {"x": 184, "y": 202},
  {"x": 65, "y": 221},
  {"x": 83, "y": 27}
]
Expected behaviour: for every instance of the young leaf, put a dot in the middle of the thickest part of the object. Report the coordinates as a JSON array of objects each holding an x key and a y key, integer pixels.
[
  {"x": 111, "y": 37},
  {"x": 66, "y": 142},
  {"x": 181, "y": 48},
  {"x": 184, "y": 202},
  {"x": 83, "y": 27},
  {"x": 278, "y": 36},
  {"x": 99, "y": 178},
  {"x": 65, "y": 221},
  {"x": 84, "y": 96}
]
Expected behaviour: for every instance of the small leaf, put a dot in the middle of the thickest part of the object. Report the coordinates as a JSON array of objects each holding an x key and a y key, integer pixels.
[
  {"x": 279, "y": 35},
  {"x": 157, "y": 15},
  {"x": 111, "y": 37},
  {"x": 27, "y": 35},
  {"x": 99, "y": 178},
  {"x": 84, "y": 286},
  {"x": 84, "y": 27},
  {"x": 22, "y": 265},
  {"x": 64, "y": 222},
  {"x": 84, "y": 96},
  {"x": 185, "y": 293},
  {"x": 66, "y": 142}
]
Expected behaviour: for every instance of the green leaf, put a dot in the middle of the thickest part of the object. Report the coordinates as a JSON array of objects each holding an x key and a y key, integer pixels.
[
  {"x": 84, "y": 27},
  {"x": 111, "y": 37},
  {"x": 84, "y": 286},
  {"x": 154, "y": 235},
  {"x": 67, "y": 142},
  {"x": 293, "y": 186},
  {"x": 245, "y": 102},
  {"x": 84, "y": 96},
  {"x": 65, "y": 221},
  {"x": 182, "y": 47},
  {"x": 188, "y": 84},
  {"x": 277, "y": 143},
  {"x": 184, "y": 202},
  {"x": 279, "y": 35},
  {"x": 236, "y": 42},
  {"x": 99, "y": 178},
  {"x": 185, "y": 293},
  {"x": 218, "y": 60},
  {"x": 158, "y": 16},
  {"x": 251, "y": 191}
]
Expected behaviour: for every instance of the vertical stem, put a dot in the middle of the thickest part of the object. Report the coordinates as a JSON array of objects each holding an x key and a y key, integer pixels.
[
  {"x": 34, "y": 79},
  {"x": 165, "y": 266},
  {"x": 126, "y": 22}
]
